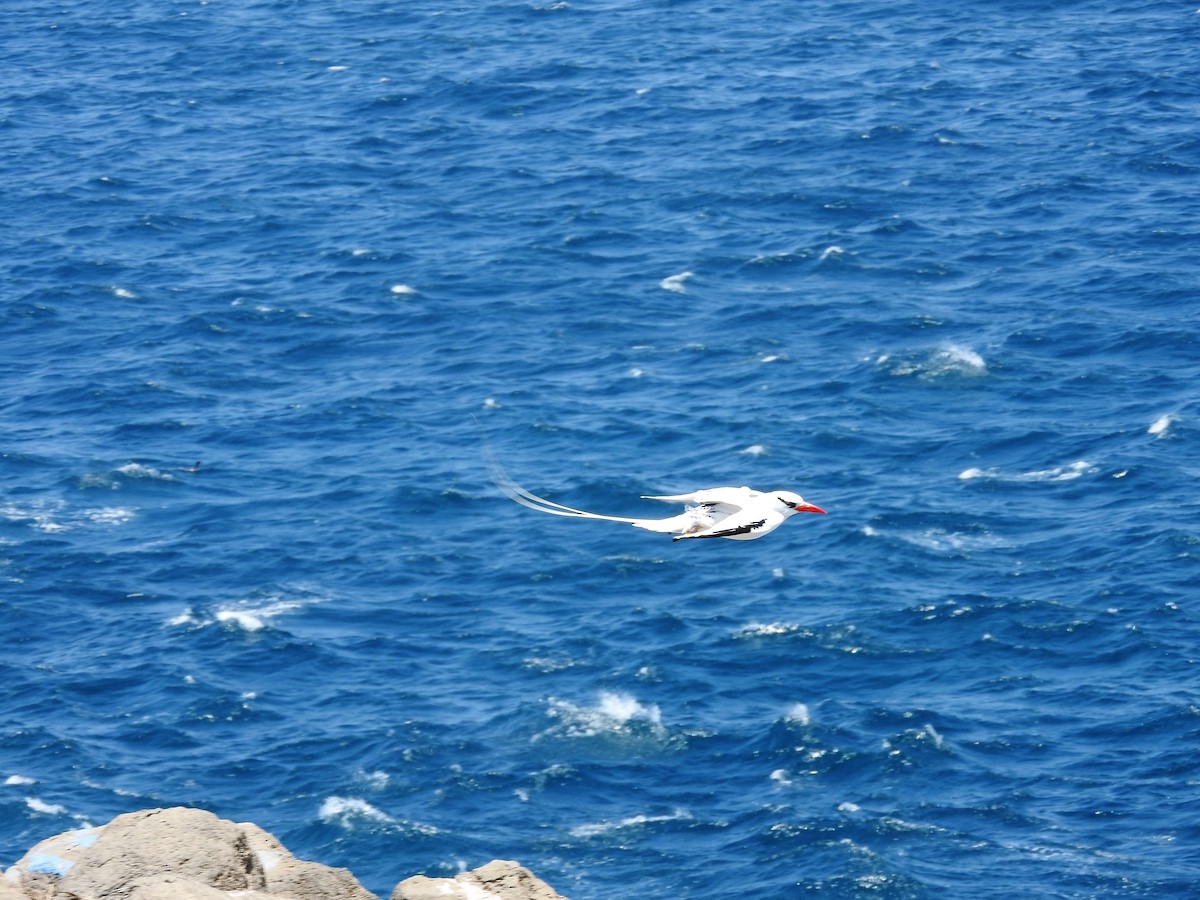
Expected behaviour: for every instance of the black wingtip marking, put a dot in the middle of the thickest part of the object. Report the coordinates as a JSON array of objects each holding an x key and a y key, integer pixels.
[{"x": 728, "y": 532}]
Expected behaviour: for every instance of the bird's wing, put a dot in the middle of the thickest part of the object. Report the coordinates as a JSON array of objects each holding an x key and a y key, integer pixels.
[
  {"x": 723, "y": 501},
  {"x": 694, "y": 518},
  {"x": 752, "y": 523}
]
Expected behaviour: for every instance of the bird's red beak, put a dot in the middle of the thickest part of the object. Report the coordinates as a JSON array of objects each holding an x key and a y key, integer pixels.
[{"x": 808, "y": 507}]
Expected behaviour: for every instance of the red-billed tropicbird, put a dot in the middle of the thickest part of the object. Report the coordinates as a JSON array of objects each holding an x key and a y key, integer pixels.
[{"x": 737, "y": 513}]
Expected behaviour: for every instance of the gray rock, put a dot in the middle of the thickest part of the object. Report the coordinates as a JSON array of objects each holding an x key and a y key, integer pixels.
[
  {"x": 167, "y": 887},
  {"x": 190, "y": 854},
  {"x": 174, "y": 854},
  {"x": 10, "y": 889},
  {"x": 501, "y": 879},
  {"x": 291, "y": 877}
]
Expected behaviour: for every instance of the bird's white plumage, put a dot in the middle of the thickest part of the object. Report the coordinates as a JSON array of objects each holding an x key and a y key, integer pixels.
[{"x": 736, "y": 513}]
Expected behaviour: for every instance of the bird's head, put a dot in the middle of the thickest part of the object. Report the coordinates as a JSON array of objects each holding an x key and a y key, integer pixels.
[{"x": 794, "y": 503}]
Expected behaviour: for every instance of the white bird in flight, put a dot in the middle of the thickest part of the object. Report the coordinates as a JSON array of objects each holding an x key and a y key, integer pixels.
[{"x": 736, "y": 513}]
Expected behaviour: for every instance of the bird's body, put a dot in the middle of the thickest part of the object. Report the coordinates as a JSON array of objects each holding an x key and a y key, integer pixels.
[{"x": 735, "y": 513}]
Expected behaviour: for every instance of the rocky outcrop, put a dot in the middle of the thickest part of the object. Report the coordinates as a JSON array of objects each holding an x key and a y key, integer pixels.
[
  {"x": 190, "y": 854},
  {"x": 501, "y": 879},
  {"x": 171, "y": 854}
]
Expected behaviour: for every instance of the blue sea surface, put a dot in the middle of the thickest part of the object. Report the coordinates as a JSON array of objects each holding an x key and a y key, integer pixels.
[{"x": 276, "y": 272}]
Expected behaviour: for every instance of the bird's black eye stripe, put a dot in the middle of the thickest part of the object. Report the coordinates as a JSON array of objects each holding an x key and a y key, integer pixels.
[{"x": 786, "y": 502}]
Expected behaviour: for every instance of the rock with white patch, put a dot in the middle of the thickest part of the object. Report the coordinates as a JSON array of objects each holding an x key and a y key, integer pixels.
[
  {"x": 173, "y": 854},
  {"x": 501, "y": 879}
]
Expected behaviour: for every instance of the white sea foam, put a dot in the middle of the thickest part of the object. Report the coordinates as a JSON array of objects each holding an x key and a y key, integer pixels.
[
  {"x": 187, "y": 617},
  {"x": 614, "y": 713},
  {"x": 674, "y": 283},
  {"x": 54, "y": 516},
  {"x": 764, "y": 629},
  {"x": 376, "y": 780},
  {"x": 244, "y": 620},
  {"x": 254, "y": 617},
  {"x": 40, "y": 516},
  {"x": 873, "y": 883},
  {"x": 40, "y": 806},
  {"x": 547, "y": 664},
  {"x": 925, "y": 733},
  {"x": 945, "y": 361},
  {"x": 754, "y": 450},
  {"x": 137, "y": 470},
  {"x": 962, "y": 357},
  {"x": 1060, "y": 473},
  {"x": 346, "y": 810},
  {"x": 1159, "y": 426},
  {"x": 623, "y": 707},
  {"x": 942, "y": 541},
  {"x": 1068, "y": 472},
  {"x": 109, "y": 515},
  {"x": 19, "y": 779},
  {"x": 606, "y": 827},
  {"x": 403, "y": 289},
  {"x": 832, "y": 250},
  {"x": 798, "y": 714}
]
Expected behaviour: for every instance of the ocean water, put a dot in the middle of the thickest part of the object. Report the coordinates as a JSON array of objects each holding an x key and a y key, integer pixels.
[{"x": 275, "y": 271}]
